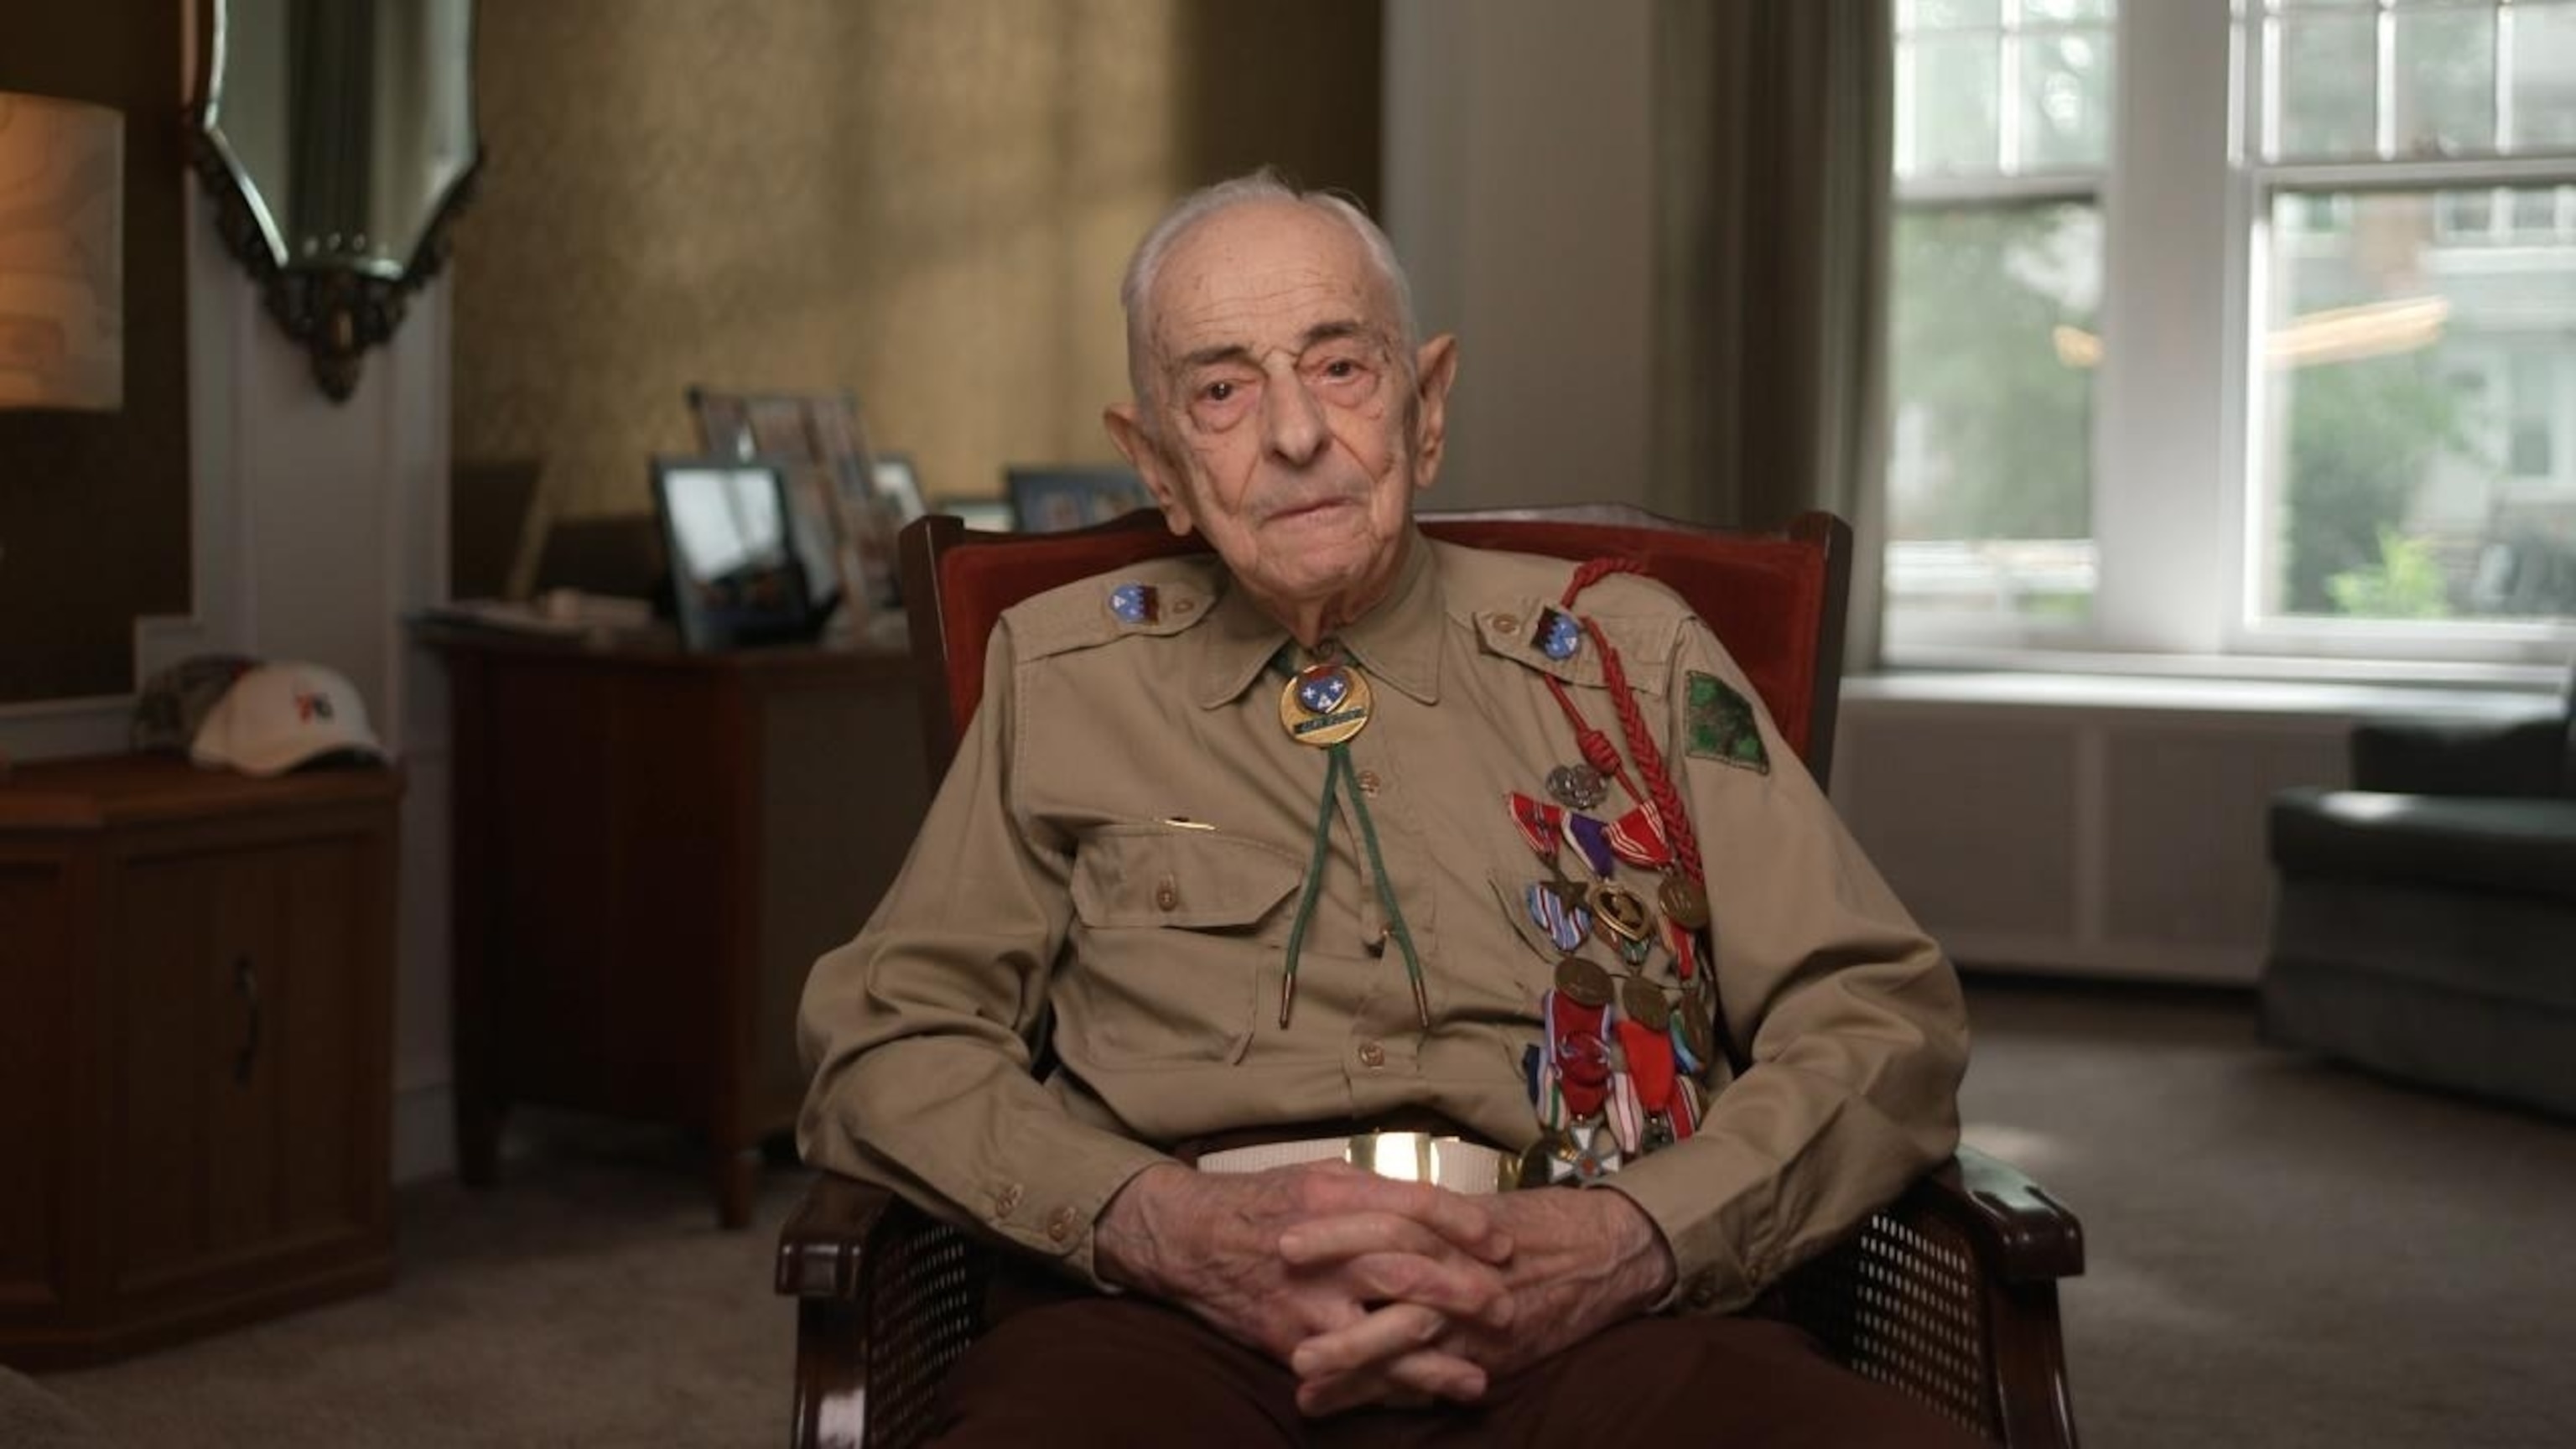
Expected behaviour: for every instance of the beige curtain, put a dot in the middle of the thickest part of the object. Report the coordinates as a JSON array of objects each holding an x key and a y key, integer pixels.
[{"x": 1773, "y": 133}]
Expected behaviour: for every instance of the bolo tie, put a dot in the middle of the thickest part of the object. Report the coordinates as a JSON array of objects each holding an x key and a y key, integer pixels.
[{"x": 1323, "y": 706}]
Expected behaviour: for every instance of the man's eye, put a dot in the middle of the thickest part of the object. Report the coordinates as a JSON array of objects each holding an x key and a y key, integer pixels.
[
  {"x": 1341, "y": 367},
  {"x": 1217, "y": 391}
]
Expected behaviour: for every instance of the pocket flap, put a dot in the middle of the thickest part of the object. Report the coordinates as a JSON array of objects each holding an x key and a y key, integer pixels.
[{"x": 1161, "y": 875}]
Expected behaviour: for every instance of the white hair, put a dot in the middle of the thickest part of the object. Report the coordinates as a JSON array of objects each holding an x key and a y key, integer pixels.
[{"x": 1136, "y": 289}]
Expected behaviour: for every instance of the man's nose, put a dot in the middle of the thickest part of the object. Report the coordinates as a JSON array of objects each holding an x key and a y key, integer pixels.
[{"x": 1292, "y": 421}]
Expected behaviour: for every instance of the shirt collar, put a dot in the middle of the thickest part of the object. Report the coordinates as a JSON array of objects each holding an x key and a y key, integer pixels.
[{"x": 1398, "y": 641}]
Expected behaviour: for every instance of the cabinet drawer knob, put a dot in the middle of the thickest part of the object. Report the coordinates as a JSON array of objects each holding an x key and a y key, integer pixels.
[{"x": 246, "y": 986}]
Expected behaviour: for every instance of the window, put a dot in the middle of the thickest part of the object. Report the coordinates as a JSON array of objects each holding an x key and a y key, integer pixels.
[
  {"x": 2288, "y": 368},
  {"x": 2002, "y": 135}
]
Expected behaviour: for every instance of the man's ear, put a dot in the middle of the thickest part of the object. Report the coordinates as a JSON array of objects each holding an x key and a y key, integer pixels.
[
  {"x": 1161, "y": 478},
  {"x": 1435, "y": 367}
]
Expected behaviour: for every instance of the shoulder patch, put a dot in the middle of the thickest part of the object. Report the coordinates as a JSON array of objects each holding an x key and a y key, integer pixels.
[
  {"x": 1156, "y": 597},
  {"x": 1721, "y": 725}
]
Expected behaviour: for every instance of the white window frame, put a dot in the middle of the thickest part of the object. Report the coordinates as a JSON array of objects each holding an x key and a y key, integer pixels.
[{"x": 2180, "y": 379}]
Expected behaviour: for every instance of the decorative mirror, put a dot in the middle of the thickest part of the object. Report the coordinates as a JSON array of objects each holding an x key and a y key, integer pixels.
[{"x": 337, "y": 139}]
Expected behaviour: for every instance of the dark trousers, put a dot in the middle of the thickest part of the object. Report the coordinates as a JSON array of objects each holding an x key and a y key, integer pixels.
[{"x": 1082, "y": 1370}]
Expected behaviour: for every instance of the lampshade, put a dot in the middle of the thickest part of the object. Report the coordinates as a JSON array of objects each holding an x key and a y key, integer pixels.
[{"x": 62, "y": 254}]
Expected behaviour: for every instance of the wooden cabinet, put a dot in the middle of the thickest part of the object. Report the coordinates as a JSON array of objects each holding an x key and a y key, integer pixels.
[
  {"x": 651, "y": 848},
  {"x": 195, "y": 1049}
]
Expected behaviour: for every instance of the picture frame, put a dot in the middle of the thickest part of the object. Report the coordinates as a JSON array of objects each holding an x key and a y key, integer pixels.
[
  {"x": 898, "y": 487},
  {"x": 820, "y": 441},
  {"x": 730, "y": 531},
  {"x": 1049, "y": 498}
]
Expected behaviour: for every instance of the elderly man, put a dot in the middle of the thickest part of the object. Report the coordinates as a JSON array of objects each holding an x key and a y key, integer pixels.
[{"x": 1299, "y": 845}]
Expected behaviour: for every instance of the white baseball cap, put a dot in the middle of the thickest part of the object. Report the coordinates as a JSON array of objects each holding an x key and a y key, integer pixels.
[{"x": 279, "y": 716}]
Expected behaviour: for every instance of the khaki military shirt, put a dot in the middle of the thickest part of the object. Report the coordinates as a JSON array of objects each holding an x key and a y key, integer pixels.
[{"x": 1117, "y": 855}]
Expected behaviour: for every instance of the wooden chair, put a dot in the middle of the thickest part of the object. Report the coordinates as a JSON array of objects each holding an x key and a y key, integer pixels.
[{"x": 1950, "y": 1293}]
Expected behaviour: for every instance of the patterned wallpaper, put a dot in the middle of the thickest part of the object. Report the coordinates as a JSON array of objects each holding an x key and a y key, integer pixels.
[{"x": 926, "y": 201}]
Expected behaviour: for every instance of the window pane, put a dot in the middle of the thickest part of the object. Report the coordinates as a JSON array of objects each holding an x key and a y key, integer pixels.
[
  {"x": 1989, "y": 480},
  {"x": 2328, "y": 104},
  {"x": 2422, "y": 402},
  {"x": 2445, "y": 70},
  {"x": 1951, "y": 110},
  {"x": 2058, "y": 11},
  {"x": 2065, "y": 101},
  {"x": 2544, "y": 76},
  {"x": 1955, "y": 14}
]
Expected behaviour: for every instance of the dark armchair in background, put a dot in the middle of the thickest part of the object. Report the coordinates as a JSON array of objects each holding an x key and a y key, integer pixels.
[
  {"x": 1950, "y": 1293},
  {"x": 2425, "y": 923}
]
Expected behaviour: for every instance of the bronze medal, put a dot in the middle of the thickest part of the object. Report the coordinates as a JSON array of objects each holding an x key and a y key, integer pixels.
[
  {"x": 1684, "y": 903},
  {"x": 1583, "y": 981},
  {"x": 1621, "y": 912},
  {"x": 1324, "y": 704},
  {"x": 1697, "y": 1034},
  {"x": 1644, "y": 1003}
]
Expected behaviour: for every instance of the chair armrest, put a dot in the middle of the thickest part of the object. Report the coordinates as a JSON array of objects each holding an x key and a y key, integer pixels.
[
  {"x": 825, "y": 1240},
  {"x": 887, "y": 1298},
  {"x": 2022, "y": 1234},
  {"x": 1951, "y": 1295},
  {"x": 2460, "y": 757}
]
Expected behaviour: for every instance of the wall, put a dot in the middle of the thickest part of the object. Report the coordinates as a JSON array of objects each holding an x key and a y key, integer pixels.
[
  {"x": 1519, "y": 169},
  {"x": 929, "y": 204},
  {"x": 94, "y": 506},
  {"x": 301, "y": 529},
  {"x": 2105, "y": 826}
]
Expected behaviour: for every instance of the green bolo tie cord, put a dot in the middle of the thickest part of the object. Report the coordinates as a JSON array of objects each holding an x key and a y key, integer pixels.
[{"x": 1337, "y": 768}]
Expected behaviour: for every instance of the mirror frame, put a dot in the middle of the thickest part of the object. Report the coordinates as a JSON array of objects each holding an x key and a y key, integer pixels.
[{"x": 335, "y": 309}]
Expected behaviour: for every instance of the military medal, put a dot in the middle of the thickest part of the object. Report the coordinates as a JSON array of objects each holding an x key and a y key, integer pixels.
[
  {"x": 1583, "y": 981},
  {"x": 1591, "y": 840},
  {"x": 1698, "y": 1033},
  {"x": 1538, "y": 823},
  {"x": 1576, "y": 787},
  {"x": 1324, "y": 704},
  {"x": 1621, "y": 915},
  {"x": 1557, "y": 909},
  {"x": 1638, "y": 838},
  {"x": 1685, "y": 904},
  {"x": 1644, "y": 1003},
  {"x": 1577, "y": 1054}
]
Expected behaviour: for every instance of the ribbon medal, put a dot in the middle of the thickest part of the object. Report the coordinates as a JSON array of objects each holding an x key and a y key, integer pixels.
[
  {"x": 1324, "y": 704},
  {"x": 1537, "y": 822},
  {"x": 1558, "y": 912}
]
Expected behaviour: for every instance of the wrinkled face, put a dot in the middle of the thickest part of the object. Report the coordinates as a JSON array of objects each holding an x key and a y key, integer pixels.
[{"x": 1286, "y": 425}]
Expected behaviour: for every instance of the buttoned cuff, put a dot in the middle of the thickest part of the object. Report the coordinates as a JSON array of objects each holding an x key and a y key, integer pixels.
[{"x": 1055, "y": 1220}]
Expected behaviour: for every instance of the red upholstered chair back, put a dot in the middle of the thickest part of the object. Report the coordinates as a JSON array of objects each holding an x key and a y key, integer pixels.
[{"x": 1775, "y": 599}]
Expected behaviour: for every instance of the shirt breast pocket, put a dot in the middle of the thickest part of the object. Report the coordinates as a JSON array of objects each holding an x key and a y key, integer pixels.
[{"x": 1174, "y": 931}]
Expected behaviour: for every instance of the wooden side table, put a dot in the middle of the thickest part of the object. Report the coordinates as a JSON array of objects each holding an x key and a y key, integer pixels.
[
  {"x": 651, "y": 849},
  {"x": 196, "y": 974}
]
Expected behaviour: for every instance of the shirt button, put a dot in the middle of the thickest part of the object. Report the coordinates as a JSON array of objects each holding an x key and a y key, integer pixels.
[
  {"x": 1060, "y": 1224},
  {"x": 1703, "y": 1290},
  {"x": 1370, "y": 784},
  {"x": 1007, "y": 1201},
  {"x": 1507, "y": 623},
  {"x": 1167, "y": 896},
  {"x": 1372, "y": 1055},
  {"x": 1185, "y": 606}
]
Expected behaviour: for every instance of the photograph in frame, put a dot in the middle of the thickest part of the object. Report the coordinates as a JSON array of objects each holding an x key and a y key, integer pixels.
[{"x": 1054, "y": 497}]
